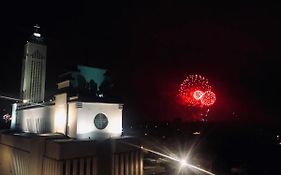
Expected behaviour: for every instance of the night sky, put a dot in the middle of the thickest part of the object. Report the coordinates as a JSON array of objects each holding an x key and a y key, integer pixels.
[{"x": 149, "y": 48}]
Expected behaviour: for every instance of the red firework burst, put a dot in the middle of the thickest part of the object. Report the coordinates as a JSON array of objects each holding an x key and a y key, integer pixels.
[
  {"x": 208, "y": 98},
  {"x": 198, "y": 94},
  {"x": 196, "y": 91}
]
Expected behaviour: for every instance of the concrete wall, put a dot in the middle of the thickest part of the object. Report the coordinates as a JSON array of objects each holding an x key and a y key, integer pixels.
[
  {"x": 129, "y": 163},
  {"x": 72, "y": 120},
  {"x": 85, "y": 120},
  {"x": 76, "y": 119},
  {"x": 21, "y": 155},
  {"x": 36, "y": 120},
  {"x": 78, "y": 166},
  {"x": 14, "y": 154},
  {"x": 60, "y": 114},
  {"x": 42, "y": 118},
  {"x": 56, "y": 155}
]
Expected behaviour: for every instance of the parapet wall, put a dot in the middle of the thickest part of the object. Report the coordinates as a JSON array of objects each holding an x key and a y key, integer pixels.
[{"x": 23, "y": 154}]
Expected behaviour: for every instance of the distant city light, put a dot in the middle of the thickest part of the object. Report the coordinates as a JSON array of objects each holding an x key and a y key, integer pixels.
[{"x": 196, "y": 133}]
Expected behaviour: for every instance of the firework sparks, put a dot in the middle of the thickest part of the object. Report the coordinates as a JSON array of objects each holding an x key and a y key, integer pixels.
[
  {"x": 208, "y": 98},
  {"x": 196, "y": 91}
]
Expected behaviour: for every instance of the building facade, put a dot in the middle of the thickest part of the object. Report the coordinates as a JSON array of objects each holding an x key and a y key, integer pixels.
[
  {"x": 54, "y": 154},
  {"x": 75, "y": 119},
  {"x": 34, "y": 69},
  {"x": 70, "y": 134}
]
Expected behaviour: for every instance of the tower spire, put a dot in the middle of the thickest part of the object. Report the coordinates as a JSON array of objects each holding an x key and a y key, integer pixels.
[
  {"x": 36, "y": 36},
  {"x": 36, "y": 29}
]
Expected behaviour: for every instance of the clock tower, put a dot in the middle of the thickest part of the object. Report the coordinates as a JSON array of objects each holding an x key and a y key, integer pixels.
[{"x": 34, "y": 68}]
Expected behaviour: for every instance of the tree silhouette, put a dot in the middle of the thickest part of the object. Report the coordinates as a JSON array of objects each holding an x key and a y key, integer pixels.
[
  {"x": 81, "y": 84},
  {"x": 93, "y": 87}
]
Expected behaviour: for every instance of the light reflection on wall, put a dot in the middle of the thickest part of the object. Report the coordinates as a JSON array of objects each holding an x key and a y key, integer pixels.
[
  {"x": 60, "y": 119},
  {"x": 60, "y": 113},
  {"x": 35, "y": 120},
  {"x": 85, "y": 122},
  {"x": 80, "y": 119}
]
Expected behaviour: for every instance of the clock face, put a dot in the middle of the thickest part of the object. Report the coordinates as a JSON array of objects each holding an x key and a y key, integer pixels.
[{"x": 101, "y": 121}]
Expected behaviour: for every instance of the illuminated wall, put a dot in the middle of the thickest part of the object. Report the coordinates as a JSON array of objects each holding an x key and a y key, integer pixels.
[
  {"x": 60, "y": 113},
  {"x": 87, "y": 113},
  {"x": 72, "y": 120},
  {"x": 76, "y": 119},
  {"x": 42, "y": 118},
  {"x": 14, "y": 113},
  {"x": 35, "y": 120}
]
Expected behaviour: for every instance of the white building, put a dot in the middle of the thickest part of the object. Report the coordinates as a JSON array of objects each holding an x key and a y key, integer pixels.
[
  {"x": 39, "y": 142},
  {"x": 34, "y": 68},
  {"x": 81, "y": 120}
]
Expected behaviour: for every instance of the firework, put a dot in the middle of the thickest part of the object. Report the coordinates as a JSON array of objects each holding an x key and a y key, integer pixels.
[
  {"x": 196, "y": 91},
  {"x": 208, "y": 98},
  {"x": 198, "y": 94}
]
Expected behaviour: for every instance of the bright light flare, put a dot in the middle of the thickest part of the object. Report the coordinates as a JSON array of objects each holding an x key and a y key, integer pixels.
[{"x": 182, "y": 162}]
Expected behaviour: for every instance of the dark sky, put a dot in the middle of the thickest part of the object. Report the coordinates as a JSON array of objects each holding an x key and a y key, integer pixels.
[{"x": 150, "y": 48}]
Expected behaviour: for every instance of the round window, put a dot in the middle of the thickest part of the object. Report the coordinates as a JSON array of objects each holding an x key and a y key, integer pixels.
[{"x": 100, "y": 121}]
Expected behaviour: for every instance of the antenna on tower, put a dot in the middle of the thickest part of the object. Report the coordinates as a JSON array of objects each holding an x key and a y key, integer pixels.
[{"x": 37, "y": 26}]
